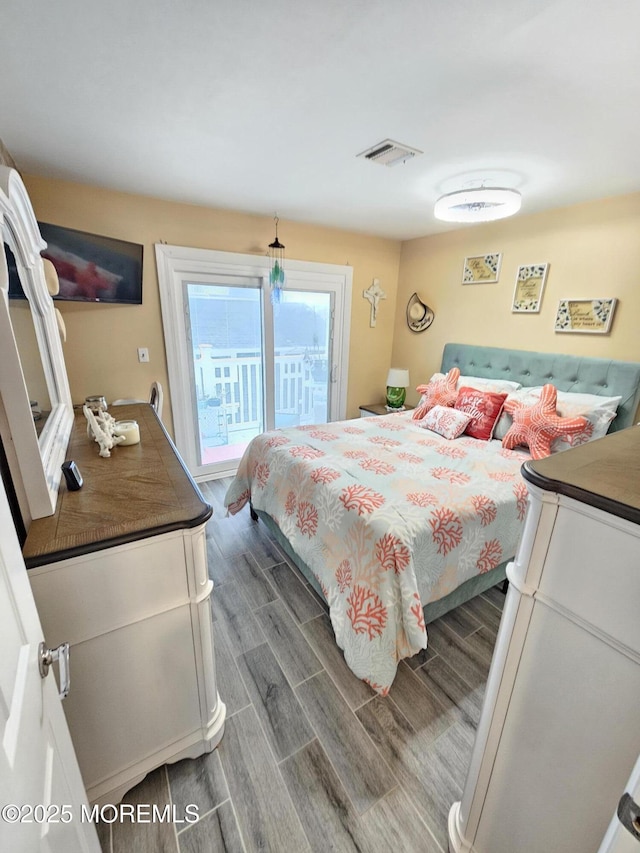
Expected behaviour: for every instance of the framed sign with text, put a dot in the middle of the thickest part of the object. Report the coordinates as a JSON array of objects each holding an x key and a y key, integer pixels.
[
  {"x": 592, "y": 316},
  {"x": 530, "y": 281},
  {"x": 481, "y": 269}
]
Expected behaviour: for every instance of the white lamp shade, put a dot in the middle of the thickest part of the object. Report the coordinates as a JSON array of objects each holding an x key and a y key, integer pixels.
[{"x": 398, "y": 378}]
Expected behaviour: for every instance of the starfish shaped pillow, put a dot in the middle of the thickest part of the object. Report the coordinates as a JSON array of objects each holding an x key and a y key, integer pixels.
[
  {"x": 539, "y": 425},
  {"x": 439, "y": 392}
]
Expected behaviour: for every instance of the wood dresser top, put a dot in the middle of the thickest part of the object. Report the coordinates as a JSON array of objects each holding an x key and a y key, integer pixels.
[
  {"x": 140, "y": 490},
  {"x": 604, "y": 473}
]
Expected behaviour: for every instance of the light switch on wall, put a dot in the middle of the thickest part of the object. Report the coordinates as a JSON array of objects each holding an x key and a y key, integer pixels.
[{"x": 143, "y": 355}]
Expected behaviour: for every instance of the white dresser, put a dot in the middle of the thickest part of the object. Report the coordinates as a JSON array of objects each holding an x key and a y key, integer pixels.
[
  {"x": 560, "y": 726},
  {"x": 120, "y": 573}
]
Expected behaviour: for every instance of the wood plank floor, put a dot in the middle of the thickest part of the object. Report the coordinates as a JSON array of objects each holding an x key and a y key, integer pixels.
[{"x": 311, "y": 758}]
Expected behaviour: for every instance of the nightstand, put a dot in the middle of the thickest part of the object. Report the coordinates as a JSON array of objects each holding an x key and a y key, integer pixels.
[{"x": 378, "y": 409}]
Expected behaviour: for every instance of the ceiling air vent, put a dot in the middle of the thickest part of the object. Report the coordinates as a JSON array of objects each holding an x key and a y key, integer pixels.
[{"x": 389, "y": 153}]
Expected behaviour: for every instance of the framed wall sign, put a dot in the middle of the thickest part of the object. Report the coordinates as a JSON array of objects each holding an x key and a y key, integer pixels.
[
  {"x": 592, "y": 316},
  {"x": 481, "y": 269},
  {"x": 530, "y": 281}
]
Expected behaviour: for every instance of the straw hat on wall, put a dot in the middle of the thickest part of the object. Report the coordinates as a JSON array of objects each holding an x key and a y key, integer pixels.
[{"x": 419, "y": 315}]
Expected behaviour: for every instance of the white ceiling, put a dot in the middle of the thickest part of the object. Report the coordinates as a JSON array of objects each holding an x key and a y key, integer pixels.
[{"x": 263, "y": 106}]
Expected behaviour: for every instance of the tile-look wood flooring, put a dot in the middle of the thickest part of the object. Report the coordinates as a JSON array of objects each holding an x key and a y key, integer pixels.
[{"x": 312, "y": 759}]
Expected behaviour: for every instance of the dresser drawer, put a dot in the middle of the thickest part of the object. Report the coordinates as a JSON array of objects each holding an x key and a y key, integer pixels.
[
  {"x": 87, "y": 596},
  {"x": 592, "y": 569}
]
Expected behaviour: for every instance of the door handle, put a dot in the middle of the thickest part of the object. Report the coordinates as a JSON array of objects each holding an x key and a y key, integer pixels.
[
  {"x": 47, "y": 656},
  {"x": 629, "y": 815}
]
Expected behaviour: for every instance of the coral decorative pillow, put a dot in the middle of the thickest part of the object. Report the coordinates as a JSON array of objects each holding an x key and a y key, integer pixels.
[
  {"x": 441, "y": 392},
  {"x": 447, "y": 422},
  {"x": 485, "y": 407},
  {"x": 537, "y": 426},
  {"x": 599, "y": 412},
  {"x": 527, "y": 396}
]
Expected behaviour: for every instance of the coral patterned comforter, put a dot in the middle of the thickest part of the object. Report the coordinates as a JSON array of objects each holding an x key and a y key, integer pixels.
[{"x": 389, "y": 517}]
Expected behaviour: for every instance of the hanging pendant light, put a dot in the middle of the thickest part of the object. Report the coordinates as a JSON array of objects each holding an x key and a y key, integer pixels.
[{"x": 276, "y": 272}]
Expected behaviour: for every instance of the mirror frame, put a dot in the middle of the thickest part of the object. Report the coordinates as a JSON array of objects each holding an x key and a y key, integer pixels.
[{"x": 38, "y": 458}]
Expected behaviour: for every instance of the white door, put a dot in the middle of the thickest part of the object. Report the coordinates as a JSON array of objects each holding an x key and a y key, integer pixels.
[
  {"x": 254, "y": 366},
  {"x": 623, "y": 835},
  {"x": 239, "y": 364},
  {"x": 41, "y": 790}
]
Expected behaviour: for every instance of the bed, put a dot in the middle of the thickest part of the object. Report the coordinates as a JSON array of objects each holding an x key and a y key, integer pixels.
[{"x": 394, "y": 525}]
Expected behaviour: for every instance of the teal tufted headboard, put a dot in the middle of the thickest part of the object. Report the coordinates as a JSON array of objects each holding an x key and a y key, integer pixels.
[{"x": 602, "y": 376}]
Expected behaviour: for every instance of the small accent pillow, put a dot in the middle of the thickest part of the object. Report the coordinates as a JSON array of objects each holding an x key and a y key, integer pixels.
[
  {"x": 485, "y": 407},
  {"x": 447, "y": 422},
  {"x": 537, "y": 426},
  {"x": 441, "y": 392}
]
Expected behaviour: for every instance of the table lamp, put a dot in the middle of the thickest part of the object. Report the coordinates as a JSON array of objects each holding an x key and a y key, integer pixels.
[{"x": 397, "y": 384}]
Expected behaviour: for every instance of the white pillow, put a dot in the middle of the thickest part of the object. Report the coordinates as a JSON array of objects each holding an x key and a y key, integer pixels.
[
  {"x": 599, "y": 411},
  {"x": 481, "y": 383},
  {"x": 446, "y": 421}
]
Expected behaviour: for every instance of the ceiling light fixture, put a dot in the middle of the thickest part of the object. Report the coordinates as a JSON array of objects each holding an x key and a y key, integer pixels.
[{"x": 477, "y": 204}]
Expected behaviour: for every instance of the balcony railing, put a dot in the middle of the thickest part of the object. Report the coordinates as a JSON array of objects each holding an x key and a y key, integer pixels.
[{"x": 230, "y": 393}]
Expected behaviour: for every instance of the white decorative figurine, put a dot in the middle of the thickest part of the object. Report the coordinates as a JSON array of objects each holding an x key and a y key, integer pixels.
[
  {"x": 374, "y": 294},
  {"x": 101, "y": 426}
]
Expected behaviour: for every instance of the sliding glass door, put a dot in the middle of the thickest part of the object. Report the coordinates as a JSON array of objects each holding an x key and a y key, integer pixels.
[
  {"x": 254, "y": 366},
  {"x": 224, "y": 326},
  {"x": 302, "y": 331},
  {"x": 239, "y": 365}
]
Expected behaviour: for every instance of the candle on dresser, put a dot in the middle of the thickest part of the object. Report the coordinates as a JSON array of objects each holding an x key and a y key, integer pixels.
[{"x": 130, "y": 430}]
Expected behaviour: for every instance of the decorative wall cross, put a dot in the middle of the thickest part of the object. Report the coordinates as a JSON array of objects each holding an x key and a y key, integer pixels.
[{"x": 374, "y": 294}]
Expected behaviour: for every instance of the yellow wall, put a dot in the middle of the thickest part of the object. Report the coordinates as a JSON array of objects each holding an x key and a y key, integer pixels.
[
  {"x": 593, "y": 250},
  {"x": 102, "y": 340}
]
